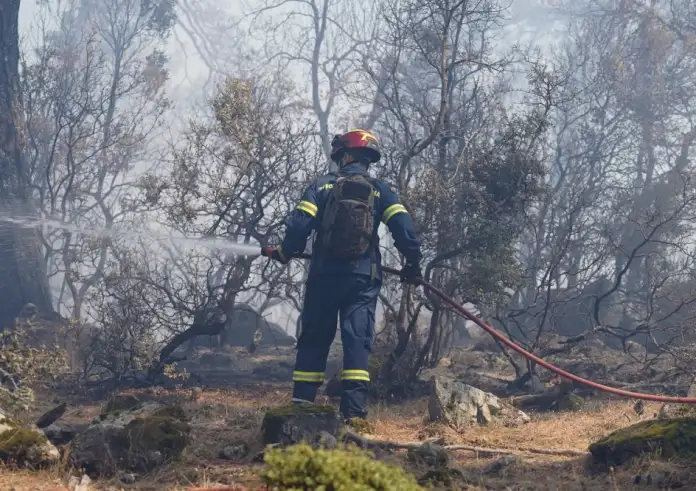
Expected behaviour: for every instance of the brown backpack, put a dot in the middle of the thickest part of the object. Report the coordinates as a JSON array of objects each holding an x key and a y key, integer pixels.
[{"x": 347, "y": 227}]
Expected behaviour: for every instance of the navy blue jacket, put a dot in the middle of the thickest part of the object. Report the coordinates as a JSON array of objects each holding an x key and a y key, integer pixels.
[{"x": 307, "y": 217}]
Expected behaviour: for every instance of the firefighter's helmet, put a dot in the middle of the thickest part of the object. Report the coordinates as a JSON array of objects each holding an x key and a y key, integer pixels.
[{"x": 357, "y": 142}]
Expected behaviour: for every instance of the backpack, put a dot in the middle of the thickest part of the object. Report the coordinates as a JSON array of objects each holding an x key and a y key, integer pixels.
[{"x": 347, "y": 226}]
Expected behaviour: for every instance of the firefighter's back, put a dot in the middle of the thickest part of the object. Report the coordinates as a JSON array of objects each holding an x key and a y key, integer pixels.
[{"x": 349, "y": 213}]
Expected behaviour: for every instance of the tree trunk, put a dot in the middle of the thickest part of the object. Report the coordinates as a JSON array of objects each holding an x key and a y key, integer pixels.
[{"x": 23, "y": 277}]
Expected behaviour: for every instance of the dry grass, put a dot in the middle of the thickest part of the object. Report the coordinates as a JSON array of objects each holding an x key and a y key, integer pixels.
[
  {"x": 22, "y": 480},
  {"x": 219, "y": 417}
]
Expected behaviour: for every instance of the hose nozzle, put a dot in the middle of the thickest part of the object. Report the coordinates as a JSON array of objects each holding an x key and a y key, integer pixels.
[{"x": 267, "y": 251}]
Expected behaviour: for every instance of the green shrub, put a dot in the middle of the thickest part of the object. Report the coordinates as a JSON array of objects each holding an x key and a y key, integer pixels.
[{"x": 300, "y": 468}]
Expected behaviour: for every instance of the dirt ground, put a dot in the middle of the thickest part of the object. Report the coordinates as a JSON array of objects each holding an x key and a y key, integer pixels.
[
  {"x": 222, "y": 416},
  {"x": 226, "y": 401}
]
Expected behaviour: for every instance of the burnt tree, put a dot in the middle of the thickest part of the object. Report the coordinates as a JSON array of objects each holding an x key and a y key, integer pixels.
[{"x": 22, "y": 272}]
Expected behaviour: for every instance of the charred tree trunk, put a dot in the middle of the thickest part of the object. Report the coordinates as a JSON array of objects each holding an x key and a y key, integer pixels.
[{"x": 23, "y": 277}]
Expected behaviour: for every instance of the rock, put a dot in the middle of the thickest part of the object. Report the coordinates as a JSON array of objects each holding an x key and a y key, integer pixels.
[
  {"x": 558, "y": 398},
  {"x": 82, "y": 484},
  {"x": 128, "y": 478},
  {"x": 461, "y": 405},
  {"x": 292, "y": 424},
  {"x": 325, "y": 440},
  {"x": 134, "y": 439},
  {"x": 671, "y": 411},
  {"x": 429, "y": 454},
  {"x": 50, "y": 417},
  {"x": 73, "y": 482},
  {"x": 243, "y": 327},
  {"x": 664, "y": 438},
  {"x": 569, "y": 402},
  {"x": 60, "y": 434},
  {"x": 235, "y": 451},
  {"x": 25, "y": 445}
]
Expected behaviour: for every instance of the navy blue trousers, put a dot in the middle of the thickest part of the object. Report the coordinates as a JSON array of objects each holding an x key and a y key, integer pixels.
[{"x": 353, "y": 299}]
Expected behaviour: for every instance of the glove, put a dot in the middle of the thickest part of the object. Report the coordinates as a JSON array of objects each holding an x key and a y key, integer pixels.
[
  {"x": 411, "y": 274},
  {"x": 275, "y": 253}
]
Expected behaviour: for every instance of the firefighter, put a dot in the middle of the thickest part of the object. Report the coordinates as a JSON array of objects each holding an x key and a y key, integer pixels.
[{"x": 345, "y": 276}]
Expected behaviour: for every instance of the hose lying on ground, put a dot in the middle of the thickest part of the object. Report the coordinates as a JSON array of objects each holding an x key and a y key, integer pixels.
[{"x": 510, "y": 344}]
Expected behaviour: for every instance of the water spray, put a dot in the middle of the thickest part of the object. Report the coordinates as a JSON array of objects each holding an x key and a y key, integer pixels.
[{"x": 222, "y": 244}]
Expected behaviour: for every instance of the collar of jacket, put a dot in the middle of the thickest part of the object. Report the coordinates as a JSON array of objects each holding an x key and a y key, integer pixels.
[{"x": 353, "y": 168}]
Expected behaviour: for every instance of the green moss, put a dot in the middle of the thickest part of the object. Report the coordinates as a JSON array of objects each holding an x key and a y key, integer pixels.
[
  {"x": 361, "y": 426},
  {"x": 300, "y": 468},
  {"x": 296, "y": 409},
  {"x": 15, "y": 442},
  {"x": 664, "y": 438}
]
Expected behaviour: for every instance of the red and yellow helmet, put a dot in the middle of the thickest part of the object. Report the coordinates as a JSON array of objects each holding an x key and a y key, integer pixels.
[{"x": 361, "y": 140}]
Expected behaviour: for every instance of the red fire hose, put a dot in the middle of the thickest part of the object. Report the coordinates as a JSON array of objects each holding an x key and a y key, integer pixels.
[{"x": 499, "y": 336}]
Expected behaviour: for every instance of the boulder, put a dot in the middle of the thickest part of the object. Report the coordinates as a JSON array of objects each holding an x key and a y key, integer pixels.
[
  {"x": 79, "y": 484},
  {"x": 130, "y": 435},
  {"x": 293, "y": 424},
  {"x": 666, "y": 438},
  {"x": 61, "y": 433},
  {"x": 273, "y": 334},
  {"x": 558, "y": 398},
  {"x": 50, "y": 417},
  {"x": 460, "y": 405},
  {"x": 25, "y": 445},
  {"x": 671, "y": 411}
]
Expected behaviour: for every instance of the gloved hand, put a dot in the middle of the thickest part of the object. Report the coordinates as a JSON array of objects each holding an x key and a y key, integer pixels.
[
  {"x": 411, "y": 274},
  {"x": 275, "y": 253}
]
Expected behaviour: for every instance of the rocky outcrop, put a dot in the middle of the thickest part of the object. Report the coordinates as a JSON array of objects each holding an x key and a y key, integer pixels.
[
  {"x": 25, "y": 445},
  {"x": 666, "y": 438},
  {"x": 62, "y": 433},
  {"x": 460, "y": 405},
  {"x": 297, "y": 423},
  {"x": 129, "y": 435}
]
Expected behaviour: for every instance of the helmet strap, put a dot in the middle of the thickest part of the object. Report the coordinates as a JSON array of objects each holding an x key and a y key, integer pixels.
[{"x": 357, "y": 157}]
